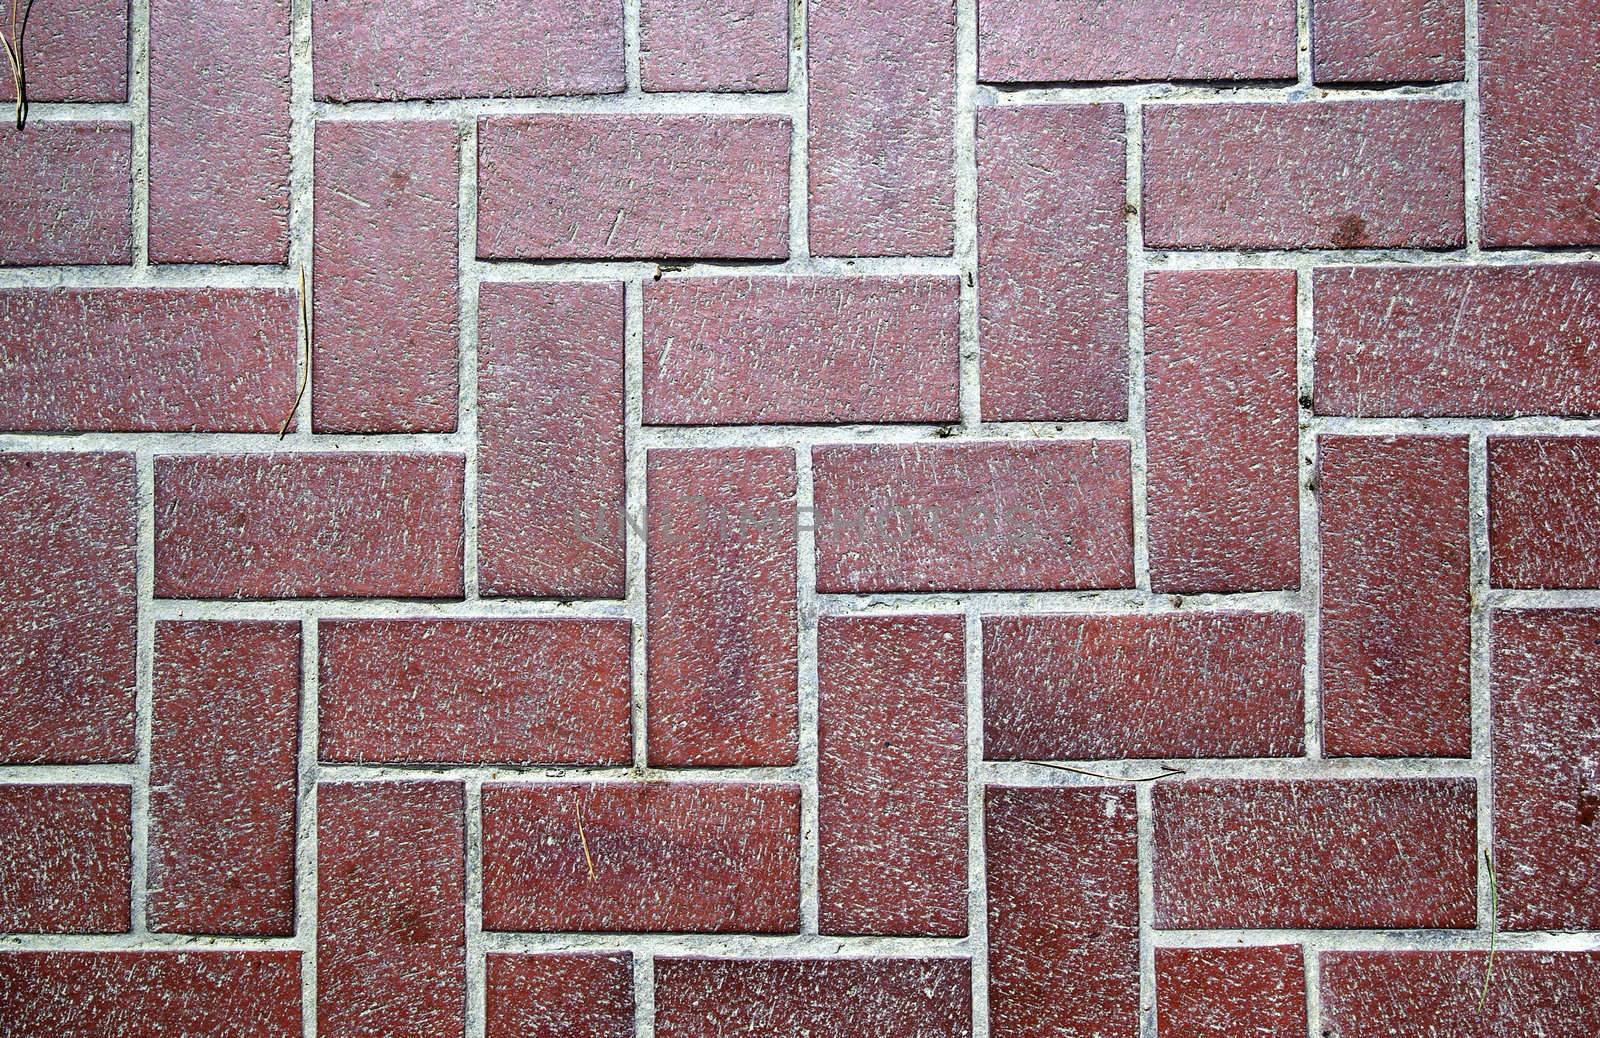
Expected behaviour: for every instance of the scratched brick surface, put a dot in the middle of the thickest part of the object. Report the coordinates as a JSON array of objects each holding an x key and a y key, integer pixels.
[
  {"x": 714, "y": 45},
  {"x": 553, "y": 996},
  {"x": 1544, "y": 511},
  {"x": 67, "y": 866},
  {"x": 1231, "y": 992},
  {"x": 77, "y": 50},
  {"x": 69, "y": 195},
  {"x": 1399, "y": 41}
]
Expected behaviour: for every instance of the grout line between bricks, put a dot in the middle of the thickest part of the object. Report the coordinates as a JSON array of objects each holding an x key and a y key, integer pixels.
[
  {"x": 966, "y": 213},
  {"x": 977, "y": 860},
  {"x": 636, "y": 543},
  {"x": 796, "y": 103},
  {"x": 306, "y": 827},
  {"x": 808, "y": 763},
  {"x": 1479, "y": 675},
  {"x": 476, "y": 986},
  {"x": 1310, "y": 590},
  {"x": 302, "y": 158},
  {"x": 1133, "y": 147},
  {"x": 1472, "y": 137},
  {"x": 1145, "y": 828},
  {"x": 630, "y": 49},
  {"x": 1200, "y": 93},
  {"x": 137, "y": 112},
  {"x": 1302, "y": 44},
  {"x": 467, "y": 349},
  {"x": 1312, "y": 965},
  {"x": 644, "y": 990},
  {"x": 144, "y": 692}
]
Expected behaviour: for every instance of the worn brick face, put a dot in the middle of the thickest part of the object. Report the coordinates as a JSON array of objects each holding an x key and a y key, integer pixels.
[
  {"x": 75, "y": 50},
  {"x": 1372, "y": 41},
  {"x": 69, "y": 194},
  {"x": 1544, "y": 511},
  {"x": 714, "y": 45},
  {"x": 559, "y": 996},
  {"x": 67, "y": 864},
  {"x": 1231, "y": 992}
]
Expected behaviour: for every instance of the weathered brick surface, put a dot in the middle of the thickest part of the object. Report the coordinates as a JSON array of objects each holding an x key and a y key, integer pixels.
[
  {"x": 75, "y": 50},
  {"x": 1390, "y": 41},
  {"x": 69, "y": 195},
  {"x": 1231, "y": 992},
  {"x": 1544, "y": 511},
  {"x": 555, "y": 996},
  {"x": 67, "y": 863},
  {"x": 714, "y": 45}
]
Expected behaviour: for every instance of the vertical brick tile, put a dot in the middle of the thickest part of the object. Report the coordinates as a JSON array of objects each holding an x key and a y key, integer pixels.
[
  {"x": 308, "y": 526},
  {"x": 385, "y": 277},
  {"x": 1546, "y": 717},
  {"x": 391, "y": 955},
  {"x": 1349, "y": 175},
  {"x": 714, "y": 45},
  {"x": 691, "y": 857},
  {"x": 721, "y": 351},
  {"x": 1222, "y": 422},
  {"x": 1230, "y": 992},
  {"x": 1001, "y": 516},
  {"x": 559, "y": 996},
  {"x": 1395, "y": 605},
  {"x": 1365, "y": 853},
  {"x": 67, "y": 862},
  {"x": 881, "y": 93},
  {"x": 1387, "y": 41},
  {"x": 1052, "y": 263},
  {"x": 223, "y": 778},
  {"x": 76, "y": 50},
  {"x": 892, "y": 775},
  {"x": 1088, "y": 687},
  {"x": 474, "y": 691},
  {"x": 1063, "y": 911},
  {"x": 67, "y": 608},
  {"x": 633, "y": 187},
  {"x": 1544, "y": 511},
  {"x": 551, "y": 502},
  {"x": 69, "y": 194},
  {"x": 723, "y": 664},
  {"x": 219, "y": 132}
]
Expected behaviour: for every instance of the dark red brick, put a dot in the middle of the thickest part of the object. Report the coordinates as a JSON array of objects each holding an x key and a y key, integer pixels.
[
  {"x": 550, "y": 442},
  {"x": 1354, "y": 854},
  {"x": 67, "y": 862},
  {"x": 1346, "y": 175},
  {"x": 1257, "y": 992},
  {"x": 1482, "y": 341},
  {"x": 594, "y": 186},
  {"x": 67, "y": 608},
  {"x": 1222, "y": 424},
  {"x": 369, "y": 51},
  {"x": 308, "y": 526},
  {"x": 1063, "y": 911},
  {"x": 560, "y": 996},
  {"x": 881, "y": 93},
  {"x": 1191, "y": 684},
  {"x": 1387, "y": 41},
  {"x": 385, "y": 277},
  {"x": 391, "y": 954},
  {"x": 1544, "y": 511},
  {"x": 714, "y": 45},
  {"x": 1395, "y": 607},
  {"x": 691, "y": 856},
  {"x": 722, "y": 351},
  {"x": 1546, "y": 716},
  {"x": 223, "y": 778},
  {"x": 474, "y": 691},
  {"x": 219, "y": 132},
  {"x": 75, "y": 50},
  {"x": 723, "y": 664},
  {"x": 69, "y": 194},
  {"x": 986, "y": 516},
  {"x": 892, "y": 775},
  {"x": 1052, "y": 263}
]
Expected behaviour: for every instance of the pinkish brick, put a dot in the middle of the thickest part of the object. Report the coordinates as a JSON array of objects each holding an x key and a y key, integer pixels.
[
  {"x": 1387, "y": 41},
  {"x": 559, "y": 996},
  {"x": 68, "y": 194},
  {"x": 1231, "y": 992},
  {"x": 76, "y": 50},
  {"x": 733, "y": 45},
  {"x": 1544, "y": 511},
  {"x": 67, "y": 862}
]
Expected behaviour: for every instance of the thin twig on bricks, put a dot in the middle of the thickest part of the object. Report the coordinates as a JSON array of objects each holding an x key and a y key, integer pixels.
[
  {"x": 14, "y": 54},
  {"x": 587, "y": 860},
  {"x": 1167, "y": 771},
  {"x": 305, "y": 372},
  {"x": 1494, "y": 928}
]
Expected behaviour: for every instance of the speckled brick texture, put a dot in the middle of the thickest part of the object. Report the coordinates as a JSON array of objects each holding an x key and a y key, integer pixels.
[{"x": 784, "y": 518}]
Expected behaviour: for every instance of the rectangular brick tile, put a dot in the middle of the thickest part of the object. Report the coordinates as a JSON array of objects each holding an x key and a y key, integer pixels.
[
  {"x": 391, "y": 944},
  {"x": 1063, "y": 883},
  {"x": 435, "y": 49},
  {"x": 308, "y": 526},
  {"x": 589, "y": 186},
  {"x": 1052, "y": 263},
  {"x": 151, "y": 994},
  {"x": 474, "y": 691},
  {"x": 1345, "y": 175},
  {"x": 551, "y": 502},
  {"x": 1190, "y": 684},
  {"x": 555, "y": 996},
  {"x": 1252, "y": 992},
  {"x": 681, "y": 857},
  {"x": 1477, "y": 341},
  {"x": 892, "y": 775},
  {"x": 1349, "y": 854},
  {"x": 67, "y": 862},
  {"x": 723, "y": 663},
  {"x": 219, "y": 132},
  {"x": 384, "y": 257},
  {"x": 1544, "y": 511},
  {"x": 881, "y": 93},
  {"x": 724, "y": 351},
  {"x": 1387, "y": 41},
  {"x": 69, "y": 193},
  {"x": 1223, "y": 426},
  {"x": 714, "y": 45},
  {"x": 67, "y": 608},
  {"x": 147, "y": 359},
  {"x": 1395, "y": 604},
  {"x": 1541, "y": 114},
  {"x": 76, "y": 50},
  {"x": 1545, "y": 672},
  {"x": 973, "y": 517}
]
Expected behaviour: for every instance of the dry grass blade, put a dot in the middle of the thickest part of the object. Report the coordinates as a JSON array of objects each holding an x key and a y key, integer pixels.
[
  {"x": 1494, "y": 928},
  {"x": 1167, "y": 771},
  {"x": 305, "y": 372},
  {"x": 14, "y": 55},
  {"x": 583, "y": 839}
]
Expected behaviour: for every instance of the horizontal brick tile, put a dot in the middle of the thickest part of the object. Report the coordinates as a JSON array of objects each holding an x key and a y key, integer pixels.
[
  {"x": 147, "y": 359},
  {"x": 1003, "y": 516},
  {"x": 67, "y": 608},
  {"x": 588, "y": 186},
  {"x": 76, "y": 50},
  {"x": 892, "y": 775},
  {"x": 1482, "y": 341},
  {"x": 1191, "y": 684},
  {"x": 701, "y": 857},
  {"x": 1365, "y": 853},
  {"x": 554, "y": 996},
  {"x": 1387, "y": 41},
  {"x": 474, "y": 691},
  {"x": 69, "y": 194},
  {"x": 714, "y": 45},
  {"x": 223, "y": 778},
  {"x": 308, "y": 526},
  {"x": 67, "y": 862},
  {"x": 724, "y": 351},
  {"x": 1348, "y": 175},
  {"x": 1544, "y": 511},
  {"x": 1231, "y": 992}
]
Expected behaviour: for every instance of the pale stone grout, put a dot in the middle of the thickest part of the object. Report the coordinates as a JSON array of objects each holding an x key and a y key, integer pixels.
[
  {"x": 1472, "y": 139},
  {"x": 1310, "y": 589},
  {"x": 307, "y": 776},
  {"x": 965, "y": 241},
  {"x": 1144, "y": 822},
  {"x": 144, "y": 691},
  {"x": 1479, "y": 675},
  {"x": 977, "y": 857},
  {"x": 466, "y": 434},
  {"x": 1133, "y": 205},
  {"x": 137, "y": 112},
  {"x": 476, "y": 968},
  {"x": 630, "y": 50},
  {"x": 808, "y": 763},
  {"x": 636, "y": 543}
]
